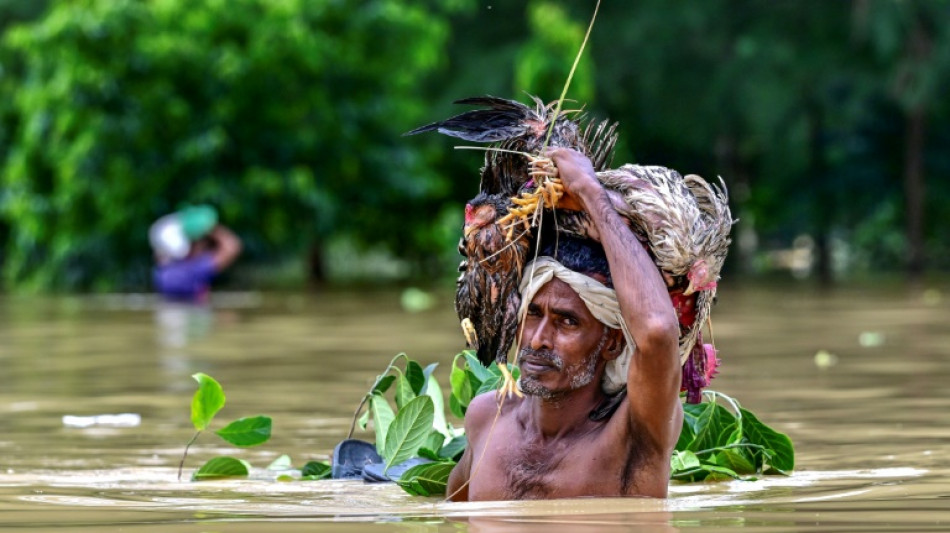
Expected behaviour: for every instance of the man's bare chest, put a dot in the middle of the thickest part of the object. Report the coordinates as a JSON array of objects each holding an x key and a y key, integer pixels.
[{"x": 519, "y": 468}]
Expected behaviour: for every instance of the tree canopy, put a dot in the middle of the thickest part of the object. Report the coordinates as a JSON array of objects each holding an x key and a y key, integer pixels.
[{"x": 824, "y": 119}]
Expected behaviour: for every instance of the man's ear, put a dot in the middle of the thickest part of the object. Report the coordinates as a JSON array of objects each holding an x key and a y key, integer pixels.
[{"x": 615, "y": 344}]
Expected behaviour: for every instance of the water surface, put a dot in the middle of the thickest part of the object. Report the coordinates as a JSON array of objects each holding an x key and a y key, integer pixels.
[{"x": 868, "y": 417}]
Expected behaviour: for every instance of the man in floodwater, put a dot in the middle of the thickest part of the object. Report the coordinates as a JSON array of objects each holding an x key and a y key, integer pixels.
[
  {"x": 191, "y": 248},
  {"x": 599, "y": 369}
]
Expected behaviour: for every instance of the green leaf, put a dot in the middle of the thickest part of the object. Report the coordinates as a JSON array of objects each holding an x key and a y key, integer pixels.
[
  {"x": 434, "y": 391},
  {"x": 383, "y": 384},
  {"x": 408, "y": 431},
  {"x": 404, "y": 392},
  {"x": 221, "y": 467},
  {"x": 434, "y": 441},
  {"x": 686, "y": 435},
  {"x": 478, "y": 369},
  {"x": 364, "y": 419},
  {"x": 682, "y": 461},
  {"x": 734, "y": 460},
  {"x": 207, "y": 401},
  {"x": 456, "y": 408},
  {"x": 713, "y": 427},
  {"x": 461, "y": 387},
  {"x": 281, "y": 463},
  {"x": 382, "y": 418},
  {"x": 427, "y": 453},
  {"x": 245, "y": 432},
  {"x": 426, "y": 480},
  {"x": 314, "y": 470},
  {"x": 758, "y": 433},
  {"x": 454, "y": 447},
  {"x": 415, "y": 377}
]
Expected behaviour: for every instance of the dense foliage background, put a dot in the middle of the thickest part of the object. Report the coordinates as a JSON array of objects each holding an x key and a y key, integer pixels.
[{"x": 827, "y": 120}]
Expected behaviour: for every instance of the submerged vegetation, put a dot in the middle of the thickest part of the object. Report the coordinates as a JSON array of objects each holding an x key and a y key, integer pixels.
[{"x": 405, "y": 408}]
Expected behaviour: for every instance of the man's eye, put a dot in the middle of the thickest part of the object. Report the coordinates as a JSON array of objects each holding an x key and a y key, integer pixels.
[
  {"x": 533, "y": 311},
  {"x": 569, "y": 321}
]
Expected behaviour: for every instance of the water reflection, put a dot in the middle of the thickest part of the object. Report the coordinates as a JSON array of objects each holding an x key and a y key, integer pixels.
[{"x": 868, "y": 428}]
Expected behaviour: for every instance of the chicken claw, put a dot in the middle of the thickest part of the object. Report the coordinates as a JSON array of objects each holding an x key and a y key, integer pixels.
[{"x": 508, "y": 384}]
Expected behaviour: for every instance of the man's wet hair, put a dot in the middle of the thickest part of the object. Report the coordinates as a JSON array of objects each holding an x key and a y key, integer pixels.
[{"x": 580, "y": 255}]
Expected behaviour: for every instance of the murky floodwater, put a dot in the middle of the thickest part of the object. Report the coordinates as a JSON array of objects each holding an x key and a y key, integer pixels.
[{"x": 869, "y": 423}]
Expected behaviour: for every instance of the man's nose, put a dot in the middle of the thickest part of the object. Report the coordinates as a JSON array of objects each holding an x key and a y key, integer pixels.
[{"x": 540, "y": 336}]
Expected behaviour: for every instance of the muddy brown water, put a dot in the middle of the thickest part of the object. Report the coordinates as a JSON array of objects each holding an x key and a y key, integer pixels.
[{"x": 868, "y": 417}]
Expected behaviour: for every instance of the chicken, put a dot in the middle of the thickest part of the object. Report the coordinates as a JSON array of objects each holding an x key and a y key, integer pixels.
[
  {"x": 686, "y": 222},
  {"x": 487, "y": 298},
  {"x": 495, "y": 249}
]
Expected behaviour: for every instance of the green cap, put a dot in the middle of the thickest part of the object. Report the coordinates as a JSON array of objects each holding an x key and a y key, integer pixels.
[{"x": 197, "y": 220}]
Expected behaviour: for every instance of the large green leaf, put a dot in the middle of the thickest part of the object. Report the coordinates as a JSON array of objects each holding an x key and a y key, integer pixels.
[
  {"x": 221, "y": 467},
  {"x": 408, "y": 431},
  {"x": 382, "y": 418},
  {"x": 783, "y": 453},
  {"x": 713, "y": 427},
  {"x": 426, "y": 480},
  {"x": 207, "y": 401},
  {"x": 734, "y": 460},
  {"x": 249, "y": 431}
]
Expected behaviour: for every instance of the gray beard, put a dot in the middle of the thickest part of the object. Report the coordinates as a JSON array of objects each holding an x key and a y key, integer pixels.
[{"x": 581, "y": 374}]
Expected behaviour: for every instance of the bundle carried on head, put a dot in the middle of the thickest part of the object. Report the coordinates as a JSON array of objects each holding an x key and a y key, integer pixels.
[{"x": 684, "y": 223}]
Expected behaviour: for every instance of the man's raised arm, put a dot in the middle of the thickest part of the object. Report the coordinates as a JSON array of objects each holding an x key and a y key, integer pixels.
[{"x": 654, "y": 377}]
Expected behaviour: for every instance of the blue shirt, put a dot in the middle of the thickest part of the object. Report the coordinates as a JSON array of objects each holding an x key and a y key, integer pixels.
[{"x": 186, "y": 279}]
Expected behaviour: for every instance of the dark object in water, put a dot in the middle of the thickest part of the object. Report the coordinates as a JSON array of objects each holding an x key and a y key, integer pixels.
[{"x": 350, "y": 456}]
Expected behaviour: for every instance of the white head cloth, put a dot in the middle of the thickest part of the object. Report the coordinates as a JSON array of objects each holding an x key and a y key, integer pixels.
[{"x": 600, "y": 300}]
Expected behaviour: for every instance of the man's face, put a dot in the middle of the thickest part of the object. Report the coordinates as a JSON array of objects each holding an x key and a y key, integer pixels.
[{"x": 561, "y": 342}]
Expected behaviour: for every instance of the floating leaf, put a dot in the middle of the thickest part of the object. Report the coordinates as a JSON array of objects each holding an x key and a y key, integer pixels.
[
  {"x": 408, "y": 431},
  {"x": 426, "y": 480},
  {"x": 382, "y": 418},
  {"x": 415, "y": 377},
  {"x": 383, "y": 384},
  {"x": 221, "y": 467},
  {"x": 454, "y": 447},
  {"x": 758, "y": 433},
  {"x": 315, "y": 470},
  {"x": 207, "y": 401},
  {"x": 281, "y": 463},
  {"x": 245, "y": 432}
]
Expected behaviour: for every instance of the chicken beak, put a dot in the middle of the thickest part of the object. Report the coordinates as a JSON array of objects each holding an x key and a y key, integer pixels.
[
  {"x": 690, "y": 289},
  {"x": 468, "y": 230}
]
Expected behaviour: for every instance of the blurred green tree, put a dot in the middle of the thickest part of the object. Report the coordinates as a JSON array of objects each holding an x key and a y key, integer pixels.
[{"x": 285, "y": 115}]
